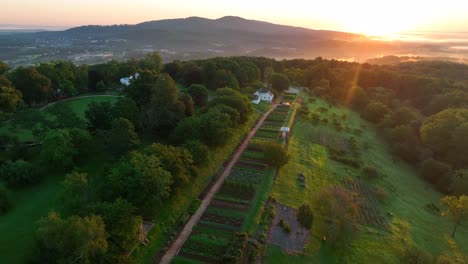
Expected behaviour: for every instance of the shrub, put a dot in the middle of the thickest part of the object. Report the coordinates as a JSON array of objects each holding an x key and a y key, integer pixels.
[
  {"x": 5, "y": 201},
  {"x": 380, "y": 193},
  {"x": 19, "y": 173},
  {"x": 415, "y": 255},
  {"x": 285, "y": 226},
  {"x": 370, "y": 172}
]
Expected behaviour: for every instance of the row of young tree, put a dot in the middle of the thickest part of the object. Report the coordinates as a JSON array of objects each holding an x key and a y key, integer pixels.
[{"x": 99, "y": 214}]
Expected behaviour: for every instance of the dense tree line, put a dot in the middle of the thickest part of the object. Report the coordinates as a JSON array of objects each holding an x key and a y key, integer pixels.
[{"x": 420, "y": 108}]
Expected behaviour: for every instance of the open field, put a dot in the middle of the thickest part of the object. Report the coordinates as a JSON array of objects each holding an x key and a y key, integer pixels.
[{"x": 407, "y": 199}]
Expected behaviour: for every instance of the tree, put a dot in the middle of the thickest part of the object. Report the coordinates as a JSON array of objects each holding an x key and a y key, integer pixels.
[
  {"x": 187, "y": 102},
  {"x": 19, "y": 173},
  {"x": 224, "y": 78},
  {"x": 101, "y": 86},
  {"x": 275, "y": 154},
  {"x": 152, "y": 62},
  {"x": 5, "y": 201},
  {"x": 375, "y": 111},
  {"x": 141, "y": 180},
  {"x": 199, "y": 94},
  {"x": 339, "y": 214},
  {"x": 437, "y": 173},
  {"x": 233, "y": 113},
  {"x": 444, "y": 132},
  {"x": 122, "y": 225},
  {"x": 177, "y": 161},
  {"x": 121, "y": 137},
  {"x": 99, "y": 115},
  {"x": 74, "y": 196},
  {"x": 70, "y": 240},
  {"x": 215, "y": 128},
  {"x": 457, "y": 210},
  {"x": 3, "y": 67},
  {"x": 57, "y": 149},
  {"x": 191, "y": 74},
  {"x": 126, "y": 108},
  {"x": 10, "y": 99},
  {"x": 198, "y": 150},
  {"x": 305, "y": 216},
  {"x": 35, "y": 87},
  {"x": 279, "y": 82}
]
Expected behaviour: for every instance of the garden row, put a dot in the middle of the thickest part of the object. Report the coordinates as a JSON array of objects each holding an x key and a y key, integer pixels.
[{"x": 216, "y": 236}]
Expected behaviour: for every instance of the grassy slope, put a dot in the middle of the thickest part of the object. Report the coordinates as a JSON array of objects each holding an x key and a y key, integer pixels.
[
  {"x": 30, "y": 204},
  {"x": 168, "y": 216},
  {"x": 408, "y": 196}
]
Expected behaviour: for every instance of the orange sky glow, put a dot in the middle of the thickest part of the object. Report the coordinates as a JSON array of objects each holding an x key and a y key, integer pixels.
[{"x": 371, "y": 17}]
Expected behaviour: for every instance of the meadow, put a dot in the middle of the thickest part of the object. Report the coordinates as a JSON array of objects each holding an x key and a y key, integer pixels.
[{"x": 405, "y": 207}]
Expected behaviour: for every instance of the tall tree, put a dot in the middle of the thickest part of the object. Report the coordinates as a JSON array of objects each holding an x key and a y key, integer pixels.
[
  {"x": 279, "y": 82},
  {"x": 121, "y": 138},
  {"x": 35, "y": 87},
  {"x": 141, "y": 180},
  {"x": 457, "y": 210},
  {"x": 10, "y": 99},
  {"x": 99, "y": 115},
  {"x": 199, "y": 94},
  {"x": 58, "y": 150},
  {"x": 70, "y": 240},
  {"x": 74, "y": 196}
]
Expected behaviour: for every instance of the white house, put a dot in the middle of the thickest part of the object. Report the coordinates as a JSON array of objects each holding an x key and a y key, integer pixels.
[
  {"x": 263, "y": 95},
  {"x": 127, "y": 80}
]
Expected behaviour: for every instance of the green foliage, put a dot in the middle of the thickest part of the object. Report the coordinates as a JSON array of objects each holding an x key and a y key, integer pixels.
[
  {"x": 70, "y": 240},
  {"x": 126, "y": 108},
  {"x": 235, "y": 251},
  {"x": 75, "y": 193},
  {"x": 437, "y": 173},
  {"x": 279, "y": 82},
  {"x": 10, "y": 99},
  {"x": 35, "y": 87},
  {"x": 339, "y": 213},
  {"x": 58, "y": 150},
  {"x": 19, "y": 173},
  {"x": 457, "y": 210},
  {"x": 5, "y": 201},
  {"x": 199, "y": 94},
  {"x": 177, "y": 161},
  {"x": 198, "y": 150},
  {"x": 285, "y": 226},
  {"x": 375, "y": 111},
  {"x": 275, "y": 154},
  {"x": 141, "y": 180},
  {"x": 152, "y": 62},
  {"x": 99, "y": 115},
  {"x": 370, "y": 172},
  {"x": 122, "y": 225},
  {"x": 415, "y": 255},
  {"x": 305, "y": 216},
  {"x": 121, "y": 138}
]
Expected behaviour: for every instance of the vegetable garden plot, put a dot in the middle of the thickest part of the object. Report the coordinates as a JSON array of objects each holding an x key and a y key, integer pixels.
[
  {"x": 256, "y": 166},
  {"x": 205, "y": 246},
  {"x": 245, "y": 176},
  {"x": 267, "y": 134},
  {"x": 329, "y": 139},
  {"x": 369, "y": 209},
  {"x": 231, "y": 205},
  {"x": 223, "y": 220},
  {"x": 240, "y": 191}
]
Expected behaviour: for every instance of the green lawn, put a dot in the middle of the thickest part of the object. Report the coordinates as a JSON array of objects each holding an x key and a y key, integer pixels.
[
  {"x": 30, "y": 204},
  {"x": 80, "y": 105},
  {"x": 262, "y": 107},
  {"x": 408, "y": 194},
  {"x": 17, "y": 226}
]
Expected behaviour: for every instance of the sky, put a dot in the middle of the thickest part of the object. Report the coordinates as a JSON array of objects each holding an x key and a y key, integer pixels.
[{"x": 373, "y": 17}]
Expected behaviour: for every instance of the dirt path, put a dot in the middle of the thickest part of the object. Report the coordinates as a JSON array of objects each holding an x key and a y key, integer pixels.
[
  {"x": 184, "y": 234},
  {"x": 78, "y": 97}
]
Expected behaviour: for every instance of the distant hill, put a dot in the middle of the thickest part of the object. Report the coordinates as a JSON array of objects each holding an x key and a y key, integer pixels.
[{"x": 195, "y": 38}]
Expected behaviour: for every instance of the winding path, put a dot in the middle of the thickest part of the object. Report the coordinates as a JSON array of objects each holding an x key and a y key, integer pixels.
[
  {"x": 185, "y": 233},
  {"x": 78, "y": 97}
]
